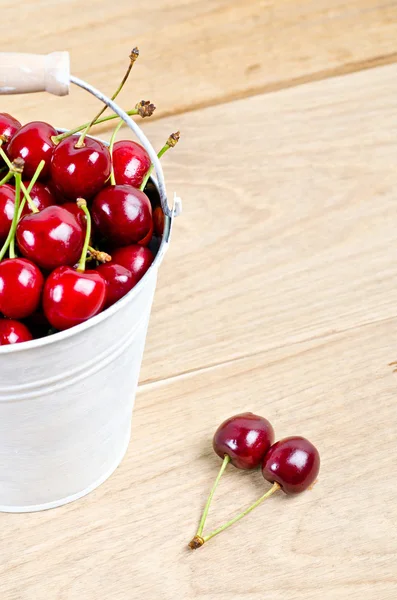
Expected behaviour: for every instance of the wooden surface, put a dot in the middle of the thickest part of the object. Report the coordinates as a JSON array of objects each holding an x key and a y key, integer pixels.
[{"x": 278, "y": 295}]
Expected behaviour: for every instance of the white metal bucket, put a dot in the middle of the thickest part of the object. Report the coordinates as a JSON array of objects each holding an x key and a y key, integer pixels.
[{"x": 66, "y": 400}]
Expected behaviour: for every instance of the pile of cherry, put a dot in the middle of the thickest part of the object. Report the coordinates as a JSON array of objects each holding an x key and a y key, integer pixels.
[
  {"x": 58, "y": 266},
  {"x": 247, "y": 442}
]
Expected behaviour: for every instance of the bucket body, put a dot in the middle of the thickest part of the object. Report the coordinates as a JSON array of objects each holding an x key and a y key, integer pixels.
[
  {"x": 66, "y": 400},
  {"x": 66, "y": 405}
]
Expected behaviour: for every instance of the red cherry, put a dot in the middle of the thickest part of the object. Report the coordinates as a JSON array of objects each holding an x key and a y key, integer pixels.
[
  {"x": 59, "y": 199},
  {"x": 74, "y": 210},
  {"x": 13, "y": 332},
  {"x": 130, "y": 163},
  {"x": 71, "y": 297},
  {"x": 293, "y": 463},
  {"x": 8, "y": 127},
  {"x": 41, "y": 196},
  {"x": 50, "y": 238},
  {"x": 33, "y": 143},
  {"x": 122, "y": 214},
  {"x": 7, "y": 203},
  {"x": 80, "y": 172},
  {"x": 21, "y": 284},
  {"x": 137, "y": 259},
  {"x": 119, "y": 281},
  {"x": 147, "y": 239},
  {"x": 245, "y": 438},
  {"x": 158, "y": 221}
]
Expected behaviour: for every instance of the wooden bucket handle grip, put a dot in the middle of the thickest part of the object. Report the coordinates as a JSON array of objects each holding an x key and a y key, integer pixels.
[{"x": 26, "y": 73}]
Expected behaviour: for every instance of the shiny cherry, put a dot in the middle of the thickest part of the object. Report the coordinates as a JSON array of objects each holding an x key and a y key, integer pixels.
[
  {"x": 77, "y": 213},
  {"x": 13, "y": 332},
  {"x": 137, "y": 259},
  {"x": 21, "y": 284},
  {"x": 293, "y": 463},
  {"x": 33, "y": 143},
  {"x": 80, "y": 172},
  {"x": 119, "y": 281},
  {"x": 152, "y": 193},
  {"x": 245, "y": 438},
  {"x": 71, "y": 297},
  {"x": 122, "y": 214},
  {"x": 148, "y": 237},
  {"x": 7, "y": 203},
  {"x": 8, "y": 127},
  {"x": 50, "y": 238},
  {"x": 130, "y": 163},
  {"x": 41, "y": 196}
]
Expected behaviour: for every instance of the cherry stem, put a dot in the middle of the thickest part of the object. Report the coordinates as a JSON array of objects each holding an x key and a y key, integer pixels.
[
  {"x": 275, "y": 487},
  {"x": 11, "y": 234},
  {"x": 193, "y": 543},
  {"x": 112, "y": 140},
  {"x": 26, "y": 195},
  {"x": 98, "y": 255},
  {"x": 170, "y": 143},
  {"x": 133, "y": 56},
  {"x": 7, "y": 177},
  {"x": 58, "y": 138},
  {"x": 81, "y": 203},
  {"x": 9, "y": 164}
]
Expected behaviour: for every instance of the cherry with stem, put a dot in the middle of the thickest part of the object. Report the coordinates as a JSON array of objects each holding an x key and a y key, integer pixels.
[
  {"x": 290, "y": 465},
  {"x": 243, "y": 441},
  {"x": 170, "y": 143},
  {"x": 146, "y": 109},
  {"x": 25, "y": 192},
  {"x": 74, "y": 295}
]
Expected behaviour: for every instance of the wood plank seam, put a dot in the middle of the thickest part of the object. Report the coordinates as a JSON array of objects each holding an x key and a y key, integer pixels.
[{"x": 326, "y": 337}]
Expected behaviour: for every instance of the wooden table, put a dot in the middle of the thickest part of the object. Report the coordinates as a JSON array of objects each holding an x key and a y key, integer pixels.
[{"x": 278, "y": 295}]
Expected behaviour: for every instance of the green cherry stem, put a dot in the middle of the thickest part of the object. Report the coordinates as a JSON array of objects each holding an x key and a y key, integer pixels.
[
  {"x": 9, "y": 243},
  {"x": 99, "y": 255},
  {"x": 81, "y": 203},
  {"x": 198, "y": 537},
  {"x": 275, "y": 487},
  {"x": 26, "y": 196},
  {"x": 170, "y": 143},
  {"x": 58, "y": 138},
  {"x": 7, "y": 178},
  {"x": 112, "y": 140},
  {"x": 133, "y": 56},
  {"x": 9, "y": 164}
]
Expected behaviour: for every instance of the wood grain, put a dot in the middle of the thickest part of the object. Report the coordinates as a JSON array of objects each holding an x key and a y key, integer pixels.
[
  {"x": 128, "y": 539},
  {"x": 194, "y": 53},
  {"x": 288, "y": 229},
  {"x": 277, "y": 295}
]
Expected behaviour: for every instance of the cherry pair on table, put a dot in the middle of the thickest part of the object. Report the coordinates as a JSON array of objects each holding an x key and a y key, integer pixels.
[{"x": 247, "y": 442}]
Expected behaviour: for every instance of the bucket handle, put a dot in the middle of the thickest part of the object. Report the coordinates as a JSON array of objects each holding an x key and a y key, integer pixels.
[{"x": 25, "y": 73}]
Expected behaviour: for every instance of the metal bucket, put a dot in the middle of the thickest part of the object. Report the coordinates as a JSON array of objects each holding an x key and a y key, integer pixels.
[{"x": 66, "y": 400}]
